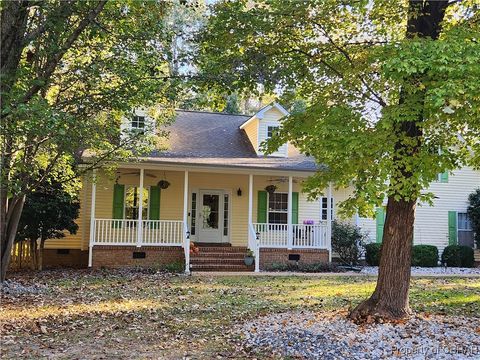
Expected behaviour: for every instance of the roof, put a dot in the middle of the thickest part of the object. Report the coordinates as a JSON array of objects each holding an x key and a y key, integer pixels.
[{"x": 215, "y": 139}]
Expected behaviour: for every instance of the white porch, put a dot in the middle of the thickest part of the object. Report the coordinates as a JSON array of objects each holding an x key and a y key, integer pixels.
[{"x": 177, "y": 232}]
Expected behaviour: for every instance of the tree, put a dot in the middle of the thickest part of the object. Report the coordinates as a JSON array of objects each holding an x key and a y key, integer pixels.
[
  {"x": 70, "y": 72},
  {"x": 47, "y": 214},
  {"x": 393, "y": 99},
  {"x": 473, "y": 212}
]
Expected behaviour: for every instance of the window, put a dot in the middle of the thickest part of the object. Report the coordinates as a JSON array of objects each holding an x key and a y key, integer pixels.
[
  {"x": 225, "y": 214},
  {"x": 138, "y": 122},
  {"x": 194, "y": 213},
  {"x": 465, "y": 230},
  {"x": 271, "y": 131},
  {"x": 464, "y": 222},
  {"x": 132, "y": 202},
  {"x": 324, "y": 210},
  {"x": 278, "y": 208}
]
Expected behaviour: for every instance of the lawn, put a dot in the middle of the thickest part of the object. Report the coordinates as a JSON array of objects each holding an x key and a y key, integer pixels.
[{"x": 133, "y": 314}]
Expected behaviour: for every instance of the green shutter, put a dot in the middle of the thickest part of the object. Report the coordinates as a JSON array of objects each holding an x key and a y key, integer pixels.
[
  {"x": 154, "y": 205},
  {"x": 444, "y": 177},
  {"x": 452, "y": 228},
  {"x": 295, "y": 208},
  {"x": 380, "y": 219},
  {"x": 262, "y": 207},
  {"x": 118, "y": 198}
]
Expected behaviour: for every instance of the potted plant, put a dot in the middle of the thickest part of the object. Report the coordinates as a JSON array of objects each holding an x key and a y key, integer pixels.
[
  {"x": 163, "y": 184},
  {"x": 249, "y": 258},
  {"x": 270, "y": 189},
  {"x": 194, "y": 249}
]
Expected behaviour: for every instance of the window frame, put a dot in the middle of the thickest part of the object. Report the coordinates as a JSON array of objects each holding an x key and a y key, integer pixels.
[
  {"x": 276, "y": 211},
  {"x": 135, "y": 119},
  {"x": 468, "y": 222},
  {"x": 322, "y": 208},
  {"x": 125, "y": 201},
  {"x": 273, "y": 127}
]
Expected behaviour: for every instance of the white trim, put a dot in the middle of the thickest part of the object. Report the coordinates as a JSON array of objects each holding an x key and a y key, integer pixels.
[
  {"x": 220, "y": 169},
  {"x": 140, "y": 209},
  {"x": 92, "y": 219},
  {"x": 261, "y": 114},
  {"x": 250, "y": 199},
  {"x": 226, "y": 238},
  {"x": 199, "y": 228},
  {"x": 329, "y": 222},
  {"x": 290, "y": 213},
  {"x": 185, "y": 197}
]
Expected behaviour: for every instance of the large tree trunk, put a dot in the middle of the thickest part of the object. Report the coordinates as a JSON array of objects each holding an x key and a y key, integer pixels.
[
  {"x": 40, "y": 254},
  {"x": 13, "y": 213},
  {"x": 390, "y": 298}
]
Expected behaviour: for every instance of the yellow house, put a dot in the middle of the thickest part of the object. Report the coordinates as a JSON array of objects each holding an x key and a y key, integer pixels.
[{"x": 206, "y": 200}]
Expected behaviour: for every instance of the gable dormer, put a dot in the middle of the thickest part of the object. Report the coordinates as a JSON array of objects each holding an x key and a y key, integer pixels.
[
  {"x": 262, "y": 125},
  {"x": 138, "y": 120}
]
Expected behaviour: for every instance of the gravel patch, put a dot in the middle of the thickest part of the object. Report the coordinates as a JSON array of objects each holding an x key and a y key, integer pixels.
[
  {"x": 416, "y": 270},
  {"x": 10, "y": 287},
  {"x": 307, "y": 335}
]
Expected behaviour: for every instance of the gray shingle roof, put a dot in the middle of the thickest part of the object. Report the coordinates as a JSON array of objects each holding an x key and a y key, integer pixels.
[{"x": 215, "y": 139}]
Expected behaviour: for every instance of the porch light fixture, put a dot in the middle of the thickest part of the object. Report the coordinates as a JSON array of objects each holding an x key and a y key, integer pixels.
[
  {"x": 270, "y": 189},
  {"x": 239, "y": 192}
]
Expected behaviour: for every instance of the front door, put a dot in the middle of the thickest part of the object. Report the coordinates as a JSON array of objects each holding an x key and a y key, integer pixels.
[{"x": 210, "y": 216}]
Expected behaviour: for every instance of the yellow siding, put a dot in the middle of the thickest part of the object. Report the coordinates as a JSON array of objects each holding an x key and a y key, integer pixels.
[{"x": 252, "y": 132}]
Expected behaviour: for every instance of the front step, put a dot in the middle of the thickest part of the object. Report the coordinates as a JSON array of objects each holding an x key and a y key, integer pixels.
[
  {"x": 221, "y": 267},
  {"x": 219, "y": 258}
]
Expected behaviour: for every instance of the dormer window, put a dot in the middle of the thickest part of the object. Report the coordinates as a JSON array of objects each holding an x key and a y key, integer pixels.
[
  {"x": 138, "y": 122},
  {"x": 271, "y": 130}
]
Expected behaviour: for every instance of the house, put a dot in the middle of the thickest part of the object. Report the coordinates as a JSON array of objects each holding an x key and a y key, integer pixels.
[{"x": 214, "y": 188}]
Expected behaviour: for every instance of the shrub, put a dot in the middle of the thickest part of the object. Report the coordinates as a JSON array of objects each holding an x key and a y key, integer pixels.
[
  {"x": 458, "y": 256},
  {"x": 473, "y": 212},
  {"x": 348, "y": 242},
  {"x": 175, "y": 267},
  {"x": 372, "y": 254},
  {"x": 425, "y": 255}
]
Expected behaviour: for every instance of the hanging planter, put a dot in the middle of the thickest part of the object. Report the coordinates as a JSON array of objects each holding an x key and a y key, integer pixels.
[
  {"x": 163, "y": 184},
  {"x": 271, "y": 189}
]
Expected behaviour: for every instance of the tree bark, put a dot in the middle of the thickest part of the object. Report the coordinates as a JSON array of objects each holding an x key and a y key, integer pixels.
[
  {"x": 33, "y": 254},
  {"x": 390, "y": 298},
  {"x": 40, "y": 254},
  {"x": 389, "y": 301}
]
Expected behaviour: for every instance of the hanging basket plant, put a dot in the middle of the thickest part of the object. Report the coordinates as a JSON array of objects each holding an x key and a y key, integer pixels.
[
  {"x": 163, "y": 184},
  {"x": 271, "y": 189}
]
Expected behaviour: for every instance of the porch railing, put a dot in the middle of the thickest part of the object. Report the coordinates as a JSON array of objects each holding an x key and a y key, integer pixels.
[
  {"x": 125, "y": 232},
  {"x": 303, "y": 236}
]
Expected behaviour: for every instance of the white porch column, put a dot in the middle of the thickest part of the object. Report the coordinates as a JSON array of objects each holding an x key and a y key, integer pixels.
[
  {"x": 186, "y": 236},
  {"x": 329, "y": 222},
  {"x": 290, "y": 213},
  {"x": 250, "y": 199},
  {"x": 252, "y": 241},
  {"x": 92, "y": 219},
  {"x": 140, "y": 211}
]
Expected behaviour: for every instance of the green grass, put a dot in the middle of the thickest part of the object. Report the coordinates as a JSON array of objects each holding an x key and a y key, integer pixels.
[{"x": 137, "y": 315}]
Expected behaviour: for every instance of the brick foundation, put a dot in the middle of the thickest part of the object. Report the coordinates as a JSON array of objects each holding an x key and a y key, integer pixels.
[
  {"x": 122, "y": 256},
  {"x": 67, "y": 258},
  {"x": 269, "y": 256}
]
